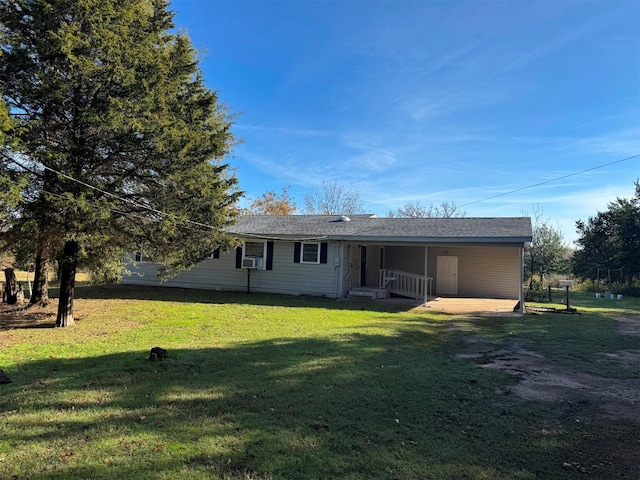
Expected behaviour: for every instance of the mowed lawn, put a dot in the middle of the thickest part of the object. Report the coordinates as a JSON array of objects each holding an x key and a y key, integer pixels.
[{"x": 279, "y": 387}]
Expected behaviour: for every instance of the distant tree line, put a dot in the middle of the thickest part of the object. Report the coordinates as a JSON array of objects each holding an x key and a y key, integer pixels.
[
  {"x": 609, "y": 244},
  {"x": 337, "y": 199}
]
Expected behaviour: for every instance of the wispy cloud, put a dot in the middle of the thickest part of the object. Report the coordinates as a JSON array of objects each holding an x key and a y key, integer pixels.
[
  {"x": 437, "y": 101},
  {"x": 285, "y": 131}
]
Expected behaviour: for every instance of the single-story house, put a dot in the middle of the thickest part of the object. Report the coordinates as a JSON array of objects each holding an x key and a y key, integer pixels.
[{"x": 363, "y": 255}]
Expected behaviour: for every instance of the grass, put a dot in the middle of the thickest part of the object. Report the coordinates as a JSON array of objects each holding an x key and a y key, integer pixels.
[{"x": 278, "y": 387}]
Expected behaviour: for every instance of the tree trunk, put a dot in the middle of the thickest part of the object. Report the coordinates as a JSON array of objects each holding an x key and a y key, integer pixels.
[
  {"x": 40, "y": 292},
  {"x": 68, "y": 266},
  {"x": 531, "y": 277},
  {"x": 10, "y": 293}
]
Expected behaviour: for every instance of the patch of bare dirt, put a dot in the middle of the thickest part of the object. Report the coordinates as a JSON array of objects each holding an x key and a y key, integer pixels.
[
  {"x": 629, "y": 325},
  {"x": 16, "y": 317},
  {"x": 542, "y": 381},
  {"x": 610, "y": 403}
]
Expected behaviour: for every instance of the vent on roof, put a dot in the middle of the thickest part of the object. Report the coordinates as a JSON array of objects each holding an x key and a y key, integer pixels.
[{"x": 343, "y": 218}]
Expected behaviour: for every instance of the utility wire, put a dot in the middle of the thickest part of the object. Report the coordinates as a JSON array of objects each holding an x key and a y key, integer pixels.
[
  {"x": 113, "y": 195},
  {"x": 548, "y": 181},
  {"x": 246, "y": 235},
  {"x": 126, "y": 200},
  {"x": 71, "y": 199}
]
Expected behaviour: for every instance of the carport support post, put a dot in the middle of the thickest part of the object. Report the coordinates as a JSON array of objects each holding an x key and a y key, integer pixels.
[
  {"x": 426, "y": 277},
  {"x": 521, "y": 280}
]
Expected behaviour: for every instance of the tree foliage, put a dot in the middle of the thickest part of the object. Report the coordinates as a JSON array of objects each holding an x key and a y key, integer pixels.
[
  {"x": 610, "y": 241},
  {"x": 333, "y": 199},
  {"x": 271, "y": 203},
  {"x": 416, "y": 210},
  {"x": 11, "y": 183},
  {"x": 122, "y": 142},
  {"x": 547, "y": 253}
]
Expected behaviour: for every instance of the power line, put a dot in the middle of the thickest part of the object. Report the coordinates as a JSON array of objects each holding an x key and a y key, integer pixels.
[
  {"x": 126, "y": 200},
  {"x": 113, "y": 195},
  {"x": 72, "y": 199},
  {"x": 549, "y": 181}
]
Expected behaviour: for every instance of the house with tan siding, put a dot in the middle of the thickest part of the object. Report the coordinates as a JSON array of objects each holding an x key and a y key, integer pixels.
[{"x": 363, "y": 256}]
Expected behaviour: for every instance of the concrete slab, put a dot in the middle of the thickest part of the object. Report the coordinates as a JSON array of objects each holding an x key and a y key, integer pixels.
[
  {"x": 455, "y": 305},
  {"x": 475, "y": 306}
]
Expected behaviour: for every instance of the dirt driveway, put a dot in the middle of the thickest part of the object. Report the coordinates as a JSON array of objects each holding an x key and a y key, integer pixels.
[{"x": 581, "y": 397}]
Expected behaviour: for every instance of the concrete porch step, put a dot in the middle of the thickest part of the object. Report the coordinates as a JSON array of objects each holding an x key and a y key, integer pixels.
[{"x": 368, "y": 293}]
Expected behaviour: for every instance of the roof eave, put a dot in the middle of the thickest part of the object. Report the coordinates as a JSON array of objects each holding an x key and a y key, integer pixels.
[{"x": 519, "y": 239}]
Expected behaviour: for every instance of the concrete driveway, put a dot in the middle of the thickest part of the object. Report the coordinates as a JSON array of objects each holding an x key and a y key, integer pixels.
[{"x": 475, "y": 306}]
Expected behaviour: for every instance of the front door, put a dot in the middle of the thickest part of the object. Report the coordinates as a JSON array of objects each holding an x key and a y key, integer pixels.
[
  {"x": 447, "y": 280},
  {"x": 363, "y": 265}
]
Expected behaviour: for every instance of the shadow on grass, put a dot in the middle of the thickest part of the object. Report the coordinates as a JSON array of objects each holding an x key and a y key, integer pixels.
[
  {"x": 12, "y": 317},
  {"x": 363, "y": 406},
  {"x": 173, "y": 294}
]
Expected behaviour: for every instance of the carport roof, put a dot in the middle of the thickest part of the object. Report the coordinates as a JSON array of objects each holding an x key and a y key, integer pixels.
[{"x": 372, "y": 228}]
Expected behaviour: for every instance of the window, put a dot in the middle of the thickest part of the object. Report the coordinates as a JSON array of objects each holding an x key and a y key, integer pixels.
[
  {"x": 254, "y": 249},
  {"x": 253, "y": 254},
  {"x": 310, "y": 253}
]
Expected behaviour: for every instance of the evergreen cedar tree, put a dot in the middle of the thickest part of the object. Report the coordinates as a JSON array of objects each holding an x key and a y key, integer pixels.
[{"x": 122, "y": 142}]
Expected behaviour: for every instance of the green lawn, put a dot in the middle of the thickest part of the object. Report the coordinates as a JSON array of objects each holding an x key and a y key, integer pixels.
[{"x": 279, "y": 387}]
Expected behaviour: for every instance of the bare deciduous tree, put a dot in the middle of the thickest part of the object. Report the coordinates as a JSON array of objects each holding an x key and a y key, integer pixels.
[
  {"x": 416, "y": 210},
  {"x": 333, "y": 199}
]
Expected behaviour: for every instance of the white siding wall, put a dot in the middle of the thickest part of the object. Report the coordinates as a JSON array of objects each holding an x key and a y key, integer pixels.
[
  {"x": 220, "y": 274},
  {"x": 210, "y": 274},
  {"x": 492, "y": 272}
]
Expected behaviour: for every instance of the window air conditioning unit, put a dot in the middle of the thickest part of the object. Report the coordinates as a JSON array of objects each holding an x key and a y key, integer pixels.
[{"x": 250, "y": 262}]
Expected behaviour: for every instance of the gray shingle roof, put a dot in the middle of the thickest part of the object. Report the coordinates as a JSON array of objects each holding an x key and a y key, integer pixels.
[{"x": 371, "y": 228}]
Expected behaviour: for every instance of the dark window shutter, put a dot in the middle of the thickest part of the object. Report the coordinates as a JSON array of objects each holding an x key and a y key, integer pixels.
[
  {"x": 323, "y": 252},
  {"x": 269, "y": 256},
  {"x": 216, "y": 253},
  {"x": 238, "y": 257},
  {"x": 296, "y": 252}
]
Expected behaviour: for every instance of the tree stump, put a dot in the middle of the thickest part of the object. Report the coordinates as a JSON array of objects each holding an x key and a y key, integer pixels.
[
  {"x": 158, "y": 353},
  {"x": 3, "y": 378}
]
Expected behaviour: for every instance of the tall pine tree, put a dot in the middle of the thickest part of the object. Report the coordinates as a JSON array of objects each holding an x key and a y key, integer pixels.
[{"x": 123, "y": 143}]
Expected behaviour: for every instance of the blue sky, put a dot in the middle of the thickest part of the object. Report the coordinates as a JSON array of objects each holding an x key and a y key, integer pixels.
[{"x": 430, "y": 101}]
